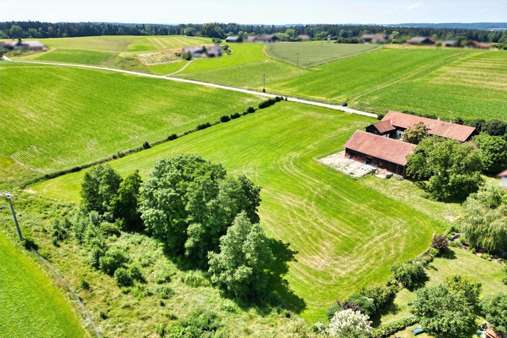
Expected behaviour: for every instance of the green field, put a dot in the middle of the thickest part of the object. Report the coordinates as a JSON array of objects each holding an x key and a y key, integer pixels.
[
  {"x": 54, "y": 118},
  {"x": 346, "y": 235},
  {"x": 313, "y": 53},
  {"x": 31, "y": 306}
]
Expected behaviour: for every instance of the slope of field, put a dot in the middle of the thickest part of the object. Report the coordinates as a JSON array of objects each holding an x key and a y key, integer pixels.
[
  {"x": 447, "y": 82},
  {"x": 53, "y": 118},
  {"x": 248, "y": 66},
  {"x": 346, "y": 235},
  {"x": 113, "y": 51},
  {"x": 30, "y": 305},
  {"x": 313, "y": 53}
]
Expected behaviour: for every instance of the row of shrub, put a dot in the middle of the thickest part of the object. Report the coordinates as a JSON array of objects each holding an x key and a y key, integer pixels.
[
  {"x": 146, "y": 145},
  {"x": 390, "y": 329}
]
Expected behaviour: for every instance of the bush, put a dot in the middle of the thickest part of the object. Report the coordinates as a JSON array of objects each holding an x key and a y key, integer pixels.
[
  {"x": 410, "y": 275},
  {"x": 203, "y": 126},
  {"x": 495, "y": 311},
  {"x": 371, "y": 301},
  {"x": 194, "y": 279},
  {"x": 349, "y": 324},
  {"x": 267, "y": 103},
  {"x": 165, "y": 292},
  {"x": 235, "y": 116},
  {"x": 60, "y": 230},
  {"x": 393, "y": 327},
  {"x": 493, "y": 153},
  {"x": 172, "y": 137},
  {"x": 250, "y": 110},
  {"x": 136, "y": 273},
  {"x": 199, "y": 324},
  {"x": 123, "y": 277},
  {"x": 112, "y": 260},
  {"x": 440, "y": 243},
  {"x": 99, "y": 188},
  {"x": 126, "y": 203},
  {"x": 225, "y": 118},
  {"x": 146, "y": 145}
]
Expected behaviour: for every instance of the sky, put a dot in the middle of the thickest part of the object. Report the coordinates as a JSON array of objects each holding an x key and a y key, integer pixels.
[{"x": 256, "y": 12}]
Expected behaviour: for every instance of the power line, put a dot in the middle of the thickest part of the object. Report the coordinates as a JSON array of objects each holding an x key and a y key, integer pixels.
[{"x": 8, "y": 197}]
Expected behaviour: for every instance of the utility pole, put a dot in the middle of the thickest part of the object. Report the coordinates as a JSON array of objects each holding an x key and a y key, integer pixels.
[{"x": 8, "y": 197}]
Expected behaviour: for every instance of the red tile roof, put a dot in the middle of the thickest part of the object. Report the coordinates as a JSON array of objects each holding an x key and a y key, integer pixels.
[
  {"x": 503, "y": 174},
  {"x": 384, "y": 126},
  {"x": 380, "y": 147},
  {"x": 450, "y": 130}
]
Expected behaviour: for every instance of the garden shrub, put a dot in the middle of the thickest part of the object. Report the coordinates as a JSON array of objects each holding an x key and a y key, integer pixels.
[
  {"x": 123, "y": 277},
  {"x": 225, "y": 118},
  {"x": 390, "y": 329},
  {"x": 199, "y": 324},
  {"x": 235, "y": 116},
  {"x": 112, "y": 260},
  {"x": 411, "y": 275},
  {"x": 203, "y": 126}
]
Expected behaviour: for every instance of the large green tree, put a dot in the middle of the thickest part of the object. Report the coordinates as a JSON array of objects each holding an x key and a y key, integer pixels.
[
  {"x": 452, "y": 170},
  {"x": 188, "y": 203},
  {"x": 493, "y": 152},
  {"x": 99, "y": 188},
  {"x": 126, "y": 203},
  {"x": 416, "y": 133},
  {"x": 243, "y": 267},
  {"x": 447, "y": 310},
  {"x": 484, "y": 221}
]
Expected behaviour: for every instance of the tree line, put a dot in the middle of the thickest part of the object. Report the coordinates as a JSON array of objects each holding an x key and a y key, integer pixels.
[{"x": 345, "y": 33}]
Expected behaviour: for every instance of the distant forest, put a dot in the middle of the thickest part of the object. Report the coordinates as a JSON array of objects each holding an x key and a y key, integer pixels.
[{"x": 342, "y": 33}]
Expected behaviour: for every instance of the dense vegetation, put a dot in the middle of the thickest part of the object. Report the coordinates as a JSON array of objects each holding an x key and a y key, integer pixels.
[
  {"x": 305, "y": 197},
  {"x": 219, "y": 30}
]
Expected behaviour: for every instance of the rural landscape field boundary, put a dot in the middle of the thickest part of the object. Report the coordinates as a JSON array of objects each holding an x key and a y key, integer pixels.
[{"x": 205, "y": 84}]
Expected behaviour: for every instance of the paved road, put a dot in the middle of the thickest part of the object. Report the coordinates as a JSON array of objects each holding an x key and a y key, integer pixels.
[{"x": 205, "y": 84}]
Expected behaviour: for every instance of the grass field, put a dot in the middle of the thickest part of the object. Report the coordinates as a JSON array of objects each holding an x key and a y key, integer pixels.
[
  {"x": 53, "y": 118},
  {"x": 31, "y": 306},
  {"x": 126, "y": 52},
  {"x": 313, "y": 53},
  {"x": 346, "y": 235}
]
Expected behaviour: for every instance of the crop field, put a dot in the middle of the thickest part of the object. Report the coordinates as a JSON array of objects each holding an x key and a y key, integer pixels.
[
  {"x": 461, "y": 83},
  {"x": 346, "y": 235},
  {"x": 30, "y": 303},
  {"x": 313, "y": 53},
  {"x": 54, "y": 118}
]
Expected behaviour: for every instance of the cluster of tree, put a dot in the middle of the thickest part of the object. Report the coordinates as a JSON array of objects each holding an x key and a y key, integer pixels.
[
  {"x": 341, "y": 33},
  {"x": 484, "y": 222},
  {"x": 446, "y": 169},
  {"x": 452, "y": 308},
  {"x": 204, "y": 217}
]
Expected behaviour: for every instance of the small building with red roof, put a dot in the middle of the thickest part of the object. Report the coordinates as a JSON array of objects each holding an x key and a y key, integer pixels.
[{"x": 382, "y": 152}]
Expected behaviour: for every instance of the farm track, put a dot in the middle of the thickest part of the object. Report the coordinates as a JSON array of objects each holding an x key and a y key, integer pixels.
[{"x": 202, "y": 83}]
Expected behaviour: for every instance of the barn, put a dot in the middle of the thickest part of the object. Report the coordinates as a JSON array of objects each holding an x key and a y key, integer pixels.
[
  {"x": 382, "y": 152},
  {"x": 394, "y": 124}
]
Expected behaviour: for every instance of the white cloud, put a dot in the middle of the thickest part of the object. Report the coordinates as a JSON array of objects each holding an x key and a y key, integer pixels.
[{"x": 415, "y": 5}]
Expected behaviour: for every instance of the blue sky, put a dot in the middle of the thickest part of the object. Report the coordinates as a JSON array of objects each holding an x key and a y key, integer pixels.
[{"x": 259, "y": 11}]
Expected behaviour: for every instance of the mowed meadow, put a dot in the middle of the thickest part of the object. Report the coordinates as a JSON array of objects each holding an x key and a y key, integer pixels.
[
  {"x": 345, "y": 234},
  {"x": 54, "y": 118},
  {"x": 31, "y": 305}
]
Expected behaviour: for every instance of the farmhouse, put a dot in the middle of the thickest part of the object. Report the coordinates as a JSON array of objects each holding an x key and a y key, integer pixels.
[
  {"x": 450, "y": 43},
  {"x": 262, "y": 38},
  {"x": 421, "y": 40},
  {"x": 25, "y": 45},
  {"x": 198, "y": 52},
  {"x": 503, "y": 179},
  {"x": 374, "y": 38},
  {"x": 394, "y": 124},
  {"x": 478, "y": 45},
  {"x": 304, "y": 37},
  {"x": 383, "y": 152},
  {"x": 233, "y": 39}
]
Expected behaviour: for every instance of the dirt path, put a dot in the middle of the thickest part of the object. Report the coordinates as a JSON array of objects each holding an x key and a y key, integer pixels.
[
  {"x": 202, "y": 83},
  {"x": 181, "y": 69}
]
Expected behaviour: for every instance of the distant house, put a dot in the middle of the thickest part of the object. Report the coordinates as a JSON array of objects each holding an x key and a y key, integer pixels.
[
  {"x": 203, "y": 51},
  {"x": 374, "y": 38},
  {"x": 503, "y": 179},
  {"x": 450, "y": 43},
  {"x": 421, "y": 40},
  {"x": 262, "y": 38},
  {"x": 394, "y": 124},
  {"x": 233, "y": 39},
  {"x": 304, "y": 37},
  {"x": 25, "y": 45},
  {"x": 383, "y": 152},
  {"x": 479, "y": 45}
]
